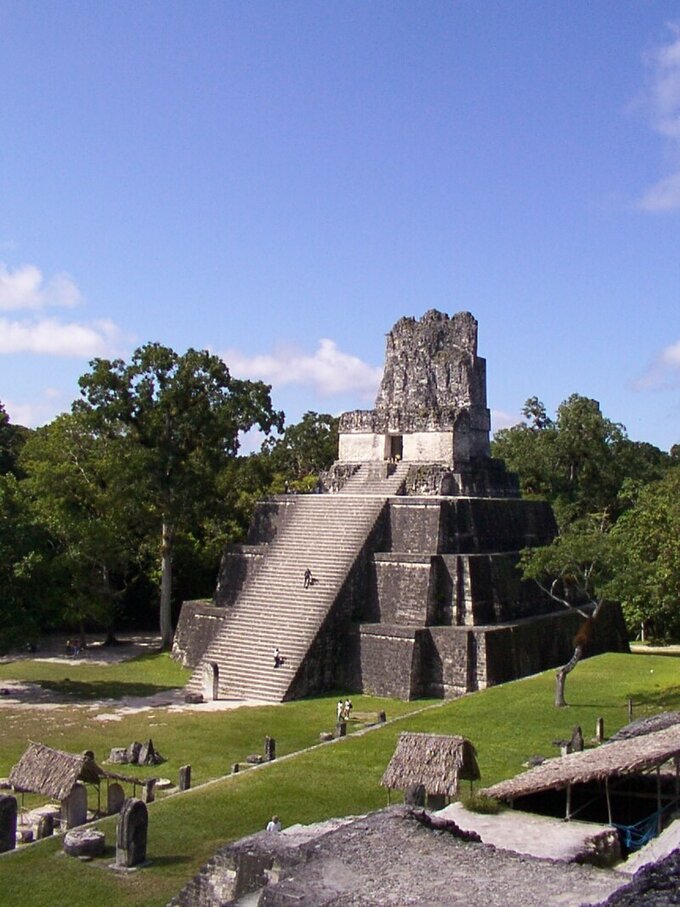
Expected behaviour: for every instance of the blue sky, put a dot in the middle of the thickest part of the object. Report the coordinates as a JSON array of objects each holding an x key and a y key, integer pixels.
[{"x": 280, "y": 182}]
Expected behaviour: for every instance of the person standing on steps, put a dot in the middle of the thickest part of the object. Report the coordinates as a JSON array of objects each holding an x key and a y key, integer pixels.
[
  {"x": 278, "y": 658},
  {"x": 308, "y": 578}
]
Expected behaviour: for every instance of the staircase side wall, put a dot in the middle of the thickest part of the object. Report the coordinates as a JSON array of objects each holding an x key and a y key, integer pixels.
[
  {"x": 238, "y": 564},
  {"x": 329, "y": 662},
  {"x": 199, "y": 623}
]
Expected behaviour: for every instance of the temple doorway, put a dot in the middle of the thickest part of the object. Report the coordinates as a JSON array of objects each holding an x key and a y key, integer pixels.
[{"x": 396, "y": 447}]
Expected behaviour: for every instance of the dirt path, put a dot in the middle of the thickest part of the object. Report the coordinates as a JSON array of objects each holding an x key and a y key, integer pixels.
[{"x": 23, "y": 694}]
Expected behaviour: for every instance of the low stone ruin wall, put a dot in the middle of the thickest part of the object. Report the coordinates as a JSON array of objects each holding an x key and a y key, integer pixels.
[
  {"x": 198, "y": 623},
  {"x": 408, "y": 663}
]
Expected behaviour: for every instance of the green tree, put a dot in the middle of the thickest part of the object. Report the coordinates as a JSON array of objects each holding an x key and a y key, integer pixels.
[
  {"x": 28, "y": 579},
  {"x": 575, "y": 570},
  {"x": 79, "y": 482},
  {"x": 581, "y": 463},
  {"x": 183, "y": 414},
  {"x": 647, "y": 557},
  {"x": 306, "y": 449}
]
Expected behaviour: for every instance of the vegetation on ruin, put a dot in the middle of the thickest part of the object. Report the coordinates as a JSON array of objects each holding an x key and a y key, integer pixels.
[{"x": 507, "y": 724}]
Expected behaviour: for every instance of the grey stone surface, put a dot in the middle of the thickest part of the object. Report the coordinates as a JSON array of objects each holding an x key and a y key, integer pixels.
[
  {"x": 425, "y": 597},
  {"x": 8, "y": 822},
  {"x": 84, "y": 842},
  {"x": 115, "y": 797},
  {"x": 74, "y": 807},
  {"x": 389, "y": 859},
  {"x": 432, "y": 376},
  {"x": 44, "y": 827},
  {"x": 184, "y": 782},
  {"x": 131, "y": 833}
]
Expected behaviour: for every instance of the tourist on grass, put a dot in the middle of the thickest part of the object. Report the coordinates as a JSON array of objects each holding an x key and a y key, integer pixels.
[{"x": 274, "y": 824}]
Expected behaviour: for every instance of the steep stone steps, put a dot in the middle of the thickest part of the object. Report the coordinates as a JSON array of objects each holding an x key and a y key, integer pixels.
[{"x": 324, "y": 533}]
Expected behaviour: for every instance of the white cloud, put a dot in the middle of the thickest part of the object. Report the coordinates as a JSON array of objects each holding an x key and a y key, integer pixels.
[
  {"x": 663, "y": 104},
  {"x": 328, "y": 370},
  {"x": 48, "y": 336},
  {"x": 39, "y": 411},
  {"x": 664, "y": 372},
  {"x": 663, "y": 196},
  {"x": 25, "y": 288}
]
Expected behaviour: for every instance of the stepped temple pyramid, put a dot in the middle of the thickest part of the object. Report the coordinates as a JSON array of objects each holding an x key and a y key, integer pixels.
[{"x": 412, "y": 545}]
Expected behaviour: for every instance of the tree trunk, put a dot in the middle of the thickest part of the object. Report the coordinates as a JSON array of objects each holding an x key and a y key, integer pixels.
[
  {"x": 166, "y": 587},
  {"x": 561, "y": 676}
]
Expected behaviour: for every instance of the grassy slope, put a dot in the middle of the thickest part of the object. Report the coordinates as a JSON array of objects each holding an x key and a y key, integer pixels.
[{"x": 507, "y": 725}]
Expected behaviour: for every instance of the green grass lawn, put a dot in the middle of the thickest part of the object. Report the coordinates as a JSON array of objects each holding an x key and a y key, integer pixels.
[{"x": 507, "y": 724}]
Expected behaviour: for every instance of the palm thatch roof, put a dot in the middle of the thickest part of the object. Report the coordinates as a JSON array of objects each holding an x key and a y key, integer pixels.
[
  {"x": 53, "y": 773},
  {"x": 623, "y": 757},
  {"x": 437, "y": 761}
]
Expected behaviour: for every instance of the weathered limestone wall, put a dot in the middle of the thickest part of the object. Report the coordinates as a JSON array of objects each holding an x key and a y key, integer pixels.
[
  {"x": 432, "y": 395},
  {"x": 405, "y": 589},
  {"x": 198, "y": 622},
  {"x": 362, "y": 447},
  {"x": 238, "y": 563},
  {"x": 468, "y": 525},
  {"x": 389, "y": 661}
]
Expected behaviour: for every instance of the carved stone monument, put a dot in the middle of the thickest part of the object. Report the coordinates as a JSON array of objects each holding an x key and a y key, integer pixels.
[
  {"x": 74, "y": 807},
  {"x": 115, "y": 798},
  {"x": 184, "y": 777},
  {"x": 131, "y": 833},
  {"x": 8, "y": 822}
]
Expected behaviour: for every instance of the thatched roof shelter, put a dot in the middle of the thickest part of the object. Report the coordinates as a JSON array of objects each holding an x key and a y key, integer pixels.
[
  {"x": 624, "y": 757},
  {"x": 53, "y": 773},
  {"x": 437, "y": 761}
]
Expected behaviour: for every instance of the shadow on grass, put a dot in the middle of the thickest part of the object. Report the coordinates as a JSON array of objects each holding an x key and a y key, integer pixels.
[
  {"x": 665, "y": 698},
  {"x": 102, "y": 689}
]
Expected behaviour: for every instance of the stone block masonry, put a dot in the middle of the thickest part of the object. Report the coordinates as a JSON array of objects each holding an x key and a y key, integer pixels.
[{"x": 413, "y": 547}]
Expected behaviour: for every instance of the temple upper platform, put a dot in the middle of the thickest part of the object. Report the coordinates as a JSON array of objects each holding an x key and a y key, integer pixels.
[{"x": 431, "y": 406}]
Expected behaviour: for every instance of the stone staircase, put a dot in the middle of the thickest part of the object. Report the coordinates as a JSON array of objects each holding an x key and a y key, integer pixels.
[{"x": 325, "y": 533}]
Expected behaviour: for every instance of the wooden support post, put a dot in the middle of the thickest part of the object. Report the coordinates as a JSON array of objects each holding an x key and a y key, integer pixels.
[
  {"x": 630, "y": 709},
  {"x": 609, "y": 802},
  {"x": 658, "y": 799},
  {"x": 568, "y": 813}
]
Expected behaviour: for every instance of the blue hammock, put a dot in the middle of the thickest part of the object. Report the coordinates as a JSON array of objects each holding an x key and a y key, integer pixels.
[{"x": 633, "y": 837}]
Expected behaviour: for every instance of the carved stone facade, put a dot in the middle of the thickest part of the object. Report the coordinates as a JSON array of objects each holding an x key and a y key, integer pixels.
[
  {"x": 429, "y": 601},
  {"x": 431, "y": 406}
]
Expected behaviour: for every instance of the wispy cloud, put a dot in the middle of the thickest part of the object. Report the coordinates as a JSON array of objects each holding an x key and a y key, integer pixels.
[
  {"x": 664, "y": 371},
  {"x": 663, "y": 104},
  {"x": 48, "y": 336},
  {"x": 42, "y": 408},
  {"x": 328, "y": 371},
  {"x": 27, "y": 294},
  {"x": 25, "y": 287}
]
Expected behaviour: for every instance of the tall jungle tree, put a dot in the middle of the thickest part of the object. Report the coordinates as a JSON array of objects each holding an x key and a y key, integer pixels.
[{"x": 183, "y": 414}]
